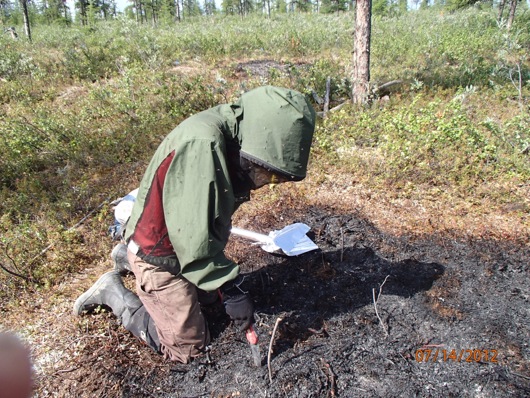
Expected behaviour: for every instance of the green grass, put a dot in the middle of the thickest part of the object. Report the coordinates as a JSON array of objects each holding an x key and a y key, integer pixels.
[{"x": 82, "y": 107}]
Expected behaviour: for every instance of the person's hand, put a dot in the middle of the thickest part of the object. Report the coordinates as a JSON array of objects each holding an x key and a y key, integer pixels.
[{"x": 240, "y": 309}]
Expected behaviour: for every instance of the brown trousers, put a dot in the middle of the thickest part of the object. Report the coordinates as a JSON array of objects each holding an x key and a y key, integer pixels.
[{"x": 172, "y": 303}]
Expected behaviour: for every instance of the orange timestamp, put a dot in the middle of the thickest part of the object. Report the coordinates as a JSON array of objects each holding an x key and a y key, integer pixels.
[{"x": 462, "y": 355}]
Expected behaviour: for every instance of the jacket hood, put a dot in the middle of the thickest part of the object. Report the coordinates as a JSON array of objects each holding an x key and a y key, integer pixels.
[{"x": 276, "y": 130}]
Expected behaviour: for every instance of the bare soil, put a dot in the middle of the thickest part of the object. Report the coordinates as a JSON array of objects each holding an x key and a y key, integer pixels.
[{"x": 393, "y": 278}]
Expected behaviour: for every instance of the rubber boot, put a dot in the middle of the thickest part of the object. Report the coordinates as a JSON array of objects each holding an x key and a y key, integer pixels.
[
  {"x": 110, "y": 291},
  {"x": 119, "y": 257},
  {"x": 141, "y": 325}
]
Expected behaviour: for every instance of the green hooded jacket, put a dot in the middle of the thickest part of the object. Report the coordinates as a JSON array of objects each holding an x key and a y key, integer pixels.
[{"x": 181, "y": 218}]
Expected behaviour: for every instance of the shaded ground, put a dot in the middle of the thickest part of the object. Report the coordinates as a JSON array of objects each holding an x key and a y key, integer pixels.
[{"x": 352, "y": 322}]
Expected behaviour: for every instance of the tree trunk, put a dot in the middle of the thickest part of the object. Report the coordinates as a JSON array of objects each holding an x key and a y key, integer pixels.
[
  {"x": 177, "y": 11},
  {"x": 82, "y": 12},
  {"x": 513, "y": 6},
  {"x": 154, "y": 10},
  {"x": 137, "y": 7},
  {"x": 24, "y": 5},
  {"x": 501, "y": 10},
  {"x": 361, "y": 52}
]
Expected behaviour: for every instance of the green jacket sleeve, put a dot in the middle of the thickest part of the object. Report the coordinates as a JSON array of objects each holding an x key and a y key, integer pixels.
[{"x": 198, "y": 206}]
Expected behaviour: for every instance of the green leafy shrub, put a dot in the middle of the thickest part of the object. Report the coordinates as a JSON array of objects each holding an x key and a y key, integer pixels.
[
  {"x": 438, "y": 49},
  {"x": 435, "y": 143}
]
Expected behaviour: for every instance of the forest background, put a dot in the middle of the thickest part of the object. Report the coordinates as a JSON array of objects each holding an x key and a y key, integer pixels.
[{"x": 160, "y": 11}]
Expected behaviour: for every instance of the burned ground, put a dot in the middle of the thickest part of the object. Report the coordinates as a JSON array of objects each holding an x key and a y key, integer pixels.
[{"x": 354, "y": 319}]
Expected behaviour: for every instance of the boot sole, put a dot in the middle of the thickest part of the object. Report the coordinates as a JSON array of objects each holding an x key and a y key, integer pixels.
[{"x": 79, "y": 305}]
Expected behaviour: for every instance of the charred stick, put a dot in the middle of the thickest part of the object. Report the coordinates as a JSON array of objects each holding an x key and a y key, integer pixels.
[
  {"x": 375, "y": 305},
  {"x": 331, "y": 377},
  {"x": 270, "y": 348},
  {"x": 341, "y": 245}
]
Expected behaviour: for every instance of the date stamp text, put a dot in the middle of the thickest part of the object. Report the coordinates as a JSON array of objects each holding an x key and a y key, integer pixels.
[{"x": 462, "y": 355}]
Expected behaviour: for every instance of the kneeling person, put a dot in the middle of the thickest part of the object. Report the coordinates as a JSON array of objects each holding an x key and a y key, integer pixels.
[{"x": 181, "y": 219}]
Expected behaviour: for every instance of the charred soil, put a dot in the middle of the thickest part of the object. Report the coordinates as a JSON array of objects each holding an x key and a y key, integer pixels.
[{"x": 371, "y": 313}]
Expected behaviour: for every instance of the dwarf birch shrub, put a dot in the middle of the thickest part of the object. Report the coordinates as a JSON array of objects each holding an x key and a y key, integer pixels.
[
  {"x": 425, "y": 142},
  {"x": 14, "y": 63},
  {"x": 254, "y": 36},
  {"x": 444, "y": 50}
]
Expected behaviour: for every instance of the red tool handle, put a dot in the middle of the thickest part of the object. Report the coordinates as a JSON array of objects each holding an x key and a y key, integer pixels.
[{"x": 252, "y": 336}]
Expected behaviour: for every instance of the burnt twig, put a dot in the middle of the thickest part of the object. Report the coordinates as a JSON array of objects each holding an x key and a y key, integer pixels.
[
  {"x": 375, "y": 305},
  {"x": 13, "y": 273},
  {"x": 341, "y": 244},
  {"x": 331, "y": 377},
  {"x": 322, "y": 330},
  {"x": 270, "y": 348}
]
